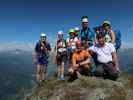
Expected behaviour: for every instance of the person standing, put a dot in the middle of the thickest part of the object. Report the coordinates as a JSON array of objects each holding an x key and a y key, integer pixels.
[
  {"x": 42, "y": 50},
  {"x": 86, "y": 36},
  {"x": 109, "y": 33},
  {"x": 61, "y": 54}
]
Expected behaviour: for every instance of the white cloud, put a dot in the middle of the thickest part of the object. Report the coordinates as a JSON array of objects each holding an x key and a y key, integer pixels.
[
  {"x": 24, "y": 46},
  {"x": 16, "y": 45},
  {"x": 29, "y": 46}
]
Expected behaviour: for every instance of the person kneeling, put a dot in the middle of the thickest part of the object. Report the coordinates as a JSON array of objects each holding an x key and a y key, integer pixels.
[
  {"x": 80, "y": 62},
  {"x": 107, "y": 63}
]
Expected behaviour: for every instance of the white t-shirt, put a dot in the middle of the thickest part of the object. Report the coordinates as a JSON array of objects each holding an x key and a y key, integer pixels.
[{"x": 104, "y": 54}]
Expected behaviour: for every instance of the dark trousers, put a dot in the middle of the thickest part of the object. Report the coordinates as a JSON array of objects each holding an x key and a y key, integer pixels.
[
  {"x": 82, "y": 70},
  {"x": 106, "y": 70}
]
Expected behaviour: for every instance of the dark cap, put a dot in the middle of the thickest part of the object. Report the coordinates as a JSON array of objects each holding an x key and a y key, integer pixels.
[
  {"x": 105, "y": 25},
  {"x": 84, "y": 17}
]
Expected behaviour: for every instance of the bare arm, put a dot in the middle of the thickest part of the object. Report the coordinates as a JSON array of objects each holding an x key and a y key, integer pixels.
[
  {"x": 87, "y": 61},
  {"x": 95, "y": 39},
  {"x": 74, "y": 65},
  {"x": 90, "y": 52},
  {"x": 115, "y": 60},
  {"x": 113, "y": 37}
]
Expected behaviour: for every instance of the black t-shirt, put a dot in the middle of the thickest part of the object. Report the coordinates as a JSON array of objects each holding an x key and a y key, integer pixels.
[{"x": 38, "y": 48}]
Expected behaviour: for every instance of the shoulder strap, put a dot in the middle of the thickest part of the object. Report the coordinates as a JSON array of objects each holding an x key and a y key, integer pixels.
[{"x": 86, "y": 35}]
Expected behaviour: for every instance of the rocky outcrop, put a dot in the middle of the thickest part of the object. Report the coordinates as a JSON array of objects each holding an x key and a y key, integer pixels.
[{"x": 86, "y": 88}]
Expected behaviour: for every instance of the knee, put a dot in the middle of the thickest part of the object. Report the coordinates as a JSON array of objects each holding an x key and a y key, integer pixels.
[
  {"x": 114, "y": 76},
  {"x": 86, "y": 66},
  {"x": 99, "y": 73},
  {"x": 39, "y": 71}
]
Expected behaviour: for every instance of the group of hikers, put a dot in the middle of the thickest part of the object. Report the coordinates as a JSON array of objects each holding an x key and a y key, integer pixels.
[{"x": 86, "y": 52}]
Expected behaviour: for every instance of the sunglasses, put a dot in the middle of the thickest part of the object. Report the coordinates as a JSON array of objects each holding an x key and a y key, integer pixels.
[{"x": 43, "y": 37}]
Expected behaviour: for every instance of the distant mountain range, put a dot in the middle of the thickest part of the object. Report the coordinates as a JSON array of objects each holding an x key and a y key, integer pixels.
[{"x": 17, "y": 73}]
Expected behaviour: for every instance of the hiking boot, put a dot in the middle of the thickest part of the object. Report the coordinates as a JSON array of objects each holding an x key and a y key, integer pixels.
[{"x": 39, "y": 83}]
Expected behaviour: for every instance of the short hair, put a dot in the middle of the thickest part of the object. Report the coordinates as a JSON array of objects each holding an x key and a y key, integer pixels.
[
  {"x": 100, "y": 35},
  {"x": 98, "y": 28}
]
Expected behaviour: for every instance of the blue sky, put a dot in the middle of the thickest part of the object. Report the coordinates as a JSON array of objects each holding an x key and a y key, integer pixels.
[{"x": 23, "y": 20}]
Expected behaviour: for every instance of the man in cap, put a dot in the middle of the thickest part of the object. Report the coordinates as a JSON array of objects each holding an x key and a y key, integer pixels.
[{"x": 86, "y": 35}]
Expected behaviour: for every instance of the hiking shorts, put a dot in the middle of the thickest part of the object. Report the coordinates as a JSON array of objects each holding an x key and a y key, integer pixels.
[
  {"x": 61, "y": 58},
  {"x": 42, "y": 60}
]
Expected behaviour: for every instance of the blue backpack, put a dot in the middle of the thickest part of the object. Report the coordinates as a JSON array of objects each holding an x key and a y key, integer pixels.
[{"x": 118, "y": 39}]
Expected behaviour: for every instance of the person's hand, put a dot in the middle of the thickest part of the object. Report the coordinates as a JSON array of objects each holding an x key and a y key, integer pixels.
[
  {"x": 117, "y": 68},
  {"x": 116, "y": 65},
  {"x": 76, "y": 67},
  {"x": 41, "y": 47},
  {"x": 70, "y": 70}
]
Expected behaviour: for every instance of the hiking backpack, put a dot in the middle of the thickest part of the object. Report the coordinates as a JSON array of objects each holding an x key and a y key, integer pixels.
[{"x": 117, "y": 39}]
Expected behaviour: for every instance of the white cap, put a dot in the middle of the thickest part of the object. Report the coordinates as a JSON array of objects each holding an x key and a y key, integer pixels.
[
  {"x": 43, "y": 35},
  {"x": 85, "y": 20},
  {"x": 60, "y": 33},
  {"x": 107, "y": 22},
  {"x": 77, "y": 29}
]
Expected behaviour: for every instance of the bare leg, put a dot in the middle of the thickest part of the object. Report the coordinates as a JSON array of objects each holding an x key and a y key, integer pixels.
[
  {"x": 43, "y": 72},
  {"x": 62, "y": 69},
  {"x": 38, "y": 74},
  {"x": 58, "y": 71},
  {"x": 78, "y": 75}
]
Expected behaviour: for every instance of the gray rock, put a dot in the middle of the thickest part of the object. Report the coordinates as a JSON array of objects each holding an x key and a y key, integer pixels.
[{"x": 86, "y": 88}]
